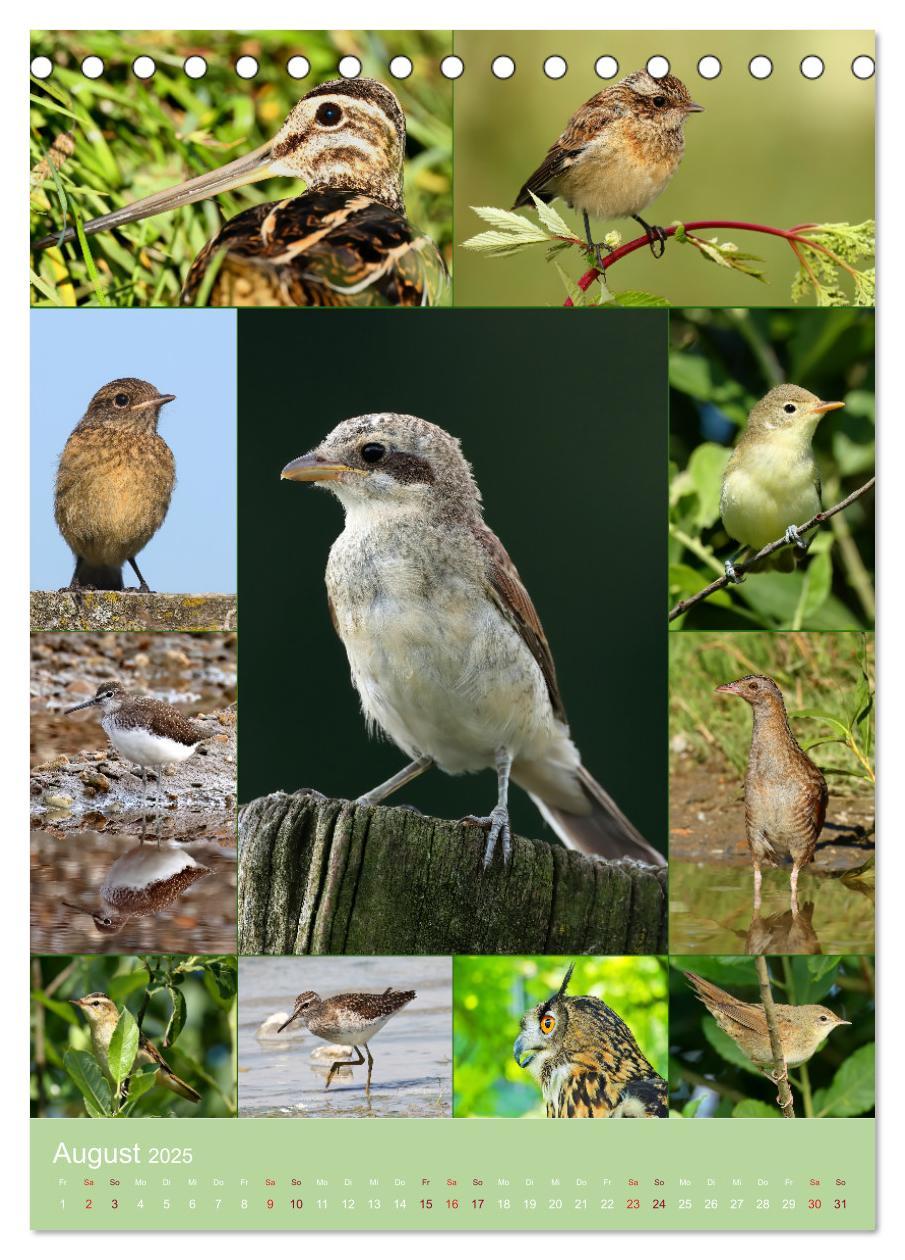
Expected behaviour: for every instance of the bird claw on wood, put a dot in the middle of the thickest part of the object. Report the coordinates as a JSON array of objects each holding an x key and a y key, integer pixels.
[{"x": 496, "y": 824}]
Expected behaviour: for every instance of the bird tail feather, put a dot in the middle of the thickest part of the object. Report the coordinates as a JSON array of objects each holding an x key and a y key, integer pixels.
[
  {"x": 179, "y": 1086},
  {"x": 604, "y": 830}
]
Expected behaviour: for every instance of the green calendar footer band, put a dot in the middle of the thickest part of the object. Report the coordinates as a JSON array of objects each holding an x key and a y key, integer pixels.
[{"x": 451, "y": 1174}]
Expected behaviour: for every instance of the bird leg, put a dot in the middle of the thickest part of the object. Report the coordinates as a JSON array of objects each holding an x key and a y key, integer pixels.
[
  {"x": 794, "y": 886},
  {"x": 778, "y": 1078},
  {"x": 497, "y": 821},
  {"x": 398, "y": 780},
  {"x": 370, "y": 1068},
  {"x": 655, "y": 236},
  {"x": 143, "y": 587},
  {"x": 595, "y": 245},
  {"x": 758, "y": 877},
  {"x": 792, "y": 535},
  {"x": 334, "y": 1067},
  {"x": 734, "y": 578}
]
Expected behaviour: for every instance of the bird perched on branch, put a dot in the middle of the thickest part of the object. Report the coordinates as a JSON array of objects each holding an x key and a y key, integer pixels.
[
  {"x": 114, "y": 483},
  {"x": 771, "y": 483},
  {"x": 345, "y": 242},
  {"x": 617, "y": 154},
  {"x": 802, "y": 1029},
  {"x": 587, "y": 1062},
  {"x": 102, "y": 1015},
  {"x": 785, "y": 793},
  {"x": 446, "y": 649}
]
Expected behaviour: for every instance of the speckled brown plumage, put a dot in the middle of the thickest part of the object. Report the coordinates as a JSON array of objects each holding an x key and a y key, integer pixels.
[
  {"x": 785, "y": 792},
  {"x": 618, "y": 151},
  {"x": 329, "y": 248},
  {"x": 587, "y": 1062},
  {"x": 125, "y": 712},
  {"x": 114, "y": 482}
]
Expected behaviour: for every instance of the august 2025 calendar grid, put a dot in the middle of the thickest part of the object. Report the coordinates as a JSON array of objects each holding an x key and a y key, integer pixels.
[{"x": 499, "y": 407}]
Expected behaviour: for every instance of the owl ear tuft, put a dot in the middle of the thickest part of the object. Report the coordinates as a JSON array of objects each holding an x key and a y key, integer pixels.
[{"x": 565, "y": 980}]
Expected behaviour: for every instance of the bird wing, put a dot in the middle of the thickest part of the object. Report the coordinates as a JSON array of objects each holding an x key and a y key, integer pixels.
[
  {"x": 167, "y": 721},
  {"x": 585, "y": 125},
  {"x": 507, "y": 591},
  {"x": 321, "y": 249},
  {"x": 714, "y": 998}
]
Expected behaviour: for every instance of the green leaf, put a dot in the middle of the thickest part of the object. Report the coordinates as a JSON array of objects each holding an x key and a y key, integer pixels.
[
  {"x": 140, "y": 1082},
  {"x": 705, "y": 467},
  {"x": 177, "y": 1017},
  {"x": 820, "y": 715},
  {"x": 123, "y": 1046},
  {"x": 818, "y": 582},
  {"x": 754, "y": 1109},
  {"x": 90, "y": 1081},
  {"x": 225, "y": 977},
  {"x": 550, "y": 219},
  {"x": 852, "y": 1090},
  {"x": 638, "y": 298}
]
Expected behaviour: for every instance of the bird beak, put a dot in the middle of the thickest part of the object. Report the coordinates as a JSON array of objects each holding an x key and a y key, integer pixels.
[
  {"x": 694, "y": 108},
  {"x": 82, "y": 910},
  {"x": 75, "y": 1001},
  {"x": 728, "y": 688},
  {"x": 822, "y": 408},
  {"x": 86, "y": 704},
  {"x": 294, "y": 1015},
  {"x": 312, "y": 467},
  {"x": 521, "y": 1055},
  {"x": 159, "y": 401},
  {"x": 249, "y": 169}
]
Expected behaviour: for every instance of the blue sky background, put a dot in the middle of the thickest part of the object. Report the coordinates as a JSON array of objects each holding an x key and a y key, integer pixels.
[{"x": 189, "y": 353}]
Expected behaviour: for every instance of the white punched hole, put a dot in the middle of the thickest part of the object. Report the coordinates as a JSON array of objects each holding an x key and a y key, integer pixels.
[
  {"x": 555, "y": 67},
  {"x": 709, "y": 67},
  {"x": 503, "y": 67},
  {"x": 195, "y": 67},
  {"x": 41, "y": 67},
  {"x": 144, "y": 67},
  {"x": 92, "y": 67},
  {"x": 298, "y": 67},
  {"x": 246, "y": 67},
  {"x": 401, "y": 67},
  {"x": 349, "y": 67},
  {"x": 812, "y": 67},
  {"x": 760, "y": 67},
  {"x": 864, "y": 67},
  {"x": 606, "y": 67},
  {"x": 452, "y": 67},
  {"x": 657, "y": 67}
]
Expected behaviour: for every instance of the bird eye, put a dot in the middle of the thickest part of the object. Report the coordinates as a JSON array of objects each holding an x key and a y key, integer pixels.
[
  {"x": 659, "y": 101},
  {"x": 790, "y": 409},
  {"x": 120, "y": 400},
  {"x": 547, "y": 1024},
  {"x": 823, "y": 1019},
  {"x": 371, "y": 452},
  {"x": 328, "y": 114},
  {"x": 752, "y": 686}
]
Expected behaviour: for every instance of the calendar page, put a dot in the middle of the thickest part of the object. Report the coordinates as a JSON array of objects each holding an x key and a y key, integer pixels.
[{"x": 498, "y": 409}]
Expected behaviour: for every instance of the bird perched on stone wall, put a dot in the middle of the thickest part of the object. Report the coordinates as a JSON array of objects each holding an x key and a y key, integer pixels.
[
  {"x": 617, "y": 153},
  {"x": 345, "y": 241},
  {"x": 587, "y": 1062},
  {"x": 114, "y": 483},
  {"x": 771, "y": 483},
  {"x": 446, "y": 649},
  {"x": 785, "y": 793}
]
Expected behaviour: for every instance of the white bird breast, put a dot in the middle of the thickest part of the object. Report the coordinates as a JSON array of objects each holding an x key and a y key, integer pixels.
[{"x": 146, "y": 749}]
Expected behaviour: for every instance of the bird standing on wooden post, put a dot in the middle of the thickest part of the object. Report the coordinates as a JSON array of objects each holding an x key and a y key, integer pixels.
[
  {"x": 785, "y": 793},
  {"x": 617, "y": 154},
  {"x": 446, "y": 649},
  {"x": 114, "y": 483},
  {"x": 587, "y": 1061}
]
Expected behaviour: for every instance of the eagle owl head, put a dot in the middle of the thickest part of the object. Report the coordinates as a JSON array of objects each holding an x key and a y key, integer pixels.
[{"x": 586, "y": 1060}]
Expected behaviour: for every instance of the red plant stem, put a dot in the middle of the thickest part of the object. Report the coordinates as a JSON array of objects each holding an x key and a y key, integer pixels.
[{"x": 787, "y": 234}]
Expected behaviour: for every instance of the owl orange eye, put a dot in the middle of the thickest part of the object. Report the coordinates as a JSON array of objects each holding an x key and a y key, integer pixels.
[{"x": 547, "y": 1024}]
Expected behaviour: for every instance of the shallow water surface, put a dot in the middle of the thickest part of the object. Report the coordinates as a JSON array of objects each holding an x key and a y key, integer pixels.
[{"x": 285, "y": 1074}]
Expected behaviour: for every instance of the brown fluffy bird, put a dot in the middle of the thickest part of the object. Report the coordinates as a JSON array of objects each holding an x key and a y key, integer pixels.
[
  {"x": 771, "y": 483},
  {"x": 446, "y": 649},
  {"x": 617, "y": 153},
  {"x": 114, "y": 483},
  {"x": 801, "y": 1028},
  {"x": 345, "y": 242},
  {"x": 587, "y": 1062},
  {"x": 785, "y": 793}
]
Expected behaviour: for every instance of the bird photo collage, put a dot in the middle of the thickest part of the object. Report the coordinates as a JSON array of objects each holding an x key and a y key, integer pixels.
[{"x": 554, "y": 764}]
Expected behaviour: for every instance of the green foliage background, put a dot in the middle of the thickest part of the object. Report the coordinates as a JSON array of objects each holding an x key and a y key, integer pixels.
[
  {"x": 827, "y": 681},
  {"x": 721, "y": 363},
  {"x": 204, "y": 1054},
  {"x": 132, "y": 138},
  {"x": 710, "y": 1077},
  {"x": 492, "y": 994}
]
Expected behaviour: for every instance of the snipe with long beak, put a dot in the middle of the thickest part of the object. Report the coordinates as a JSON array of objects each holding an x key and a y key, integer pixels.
[{"x": 344, "y": 242}]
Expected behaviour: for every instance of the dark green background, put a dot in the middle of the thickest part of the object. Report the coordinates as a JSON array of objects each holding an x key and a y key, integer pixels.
[{"x": 563, "y": 416}]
